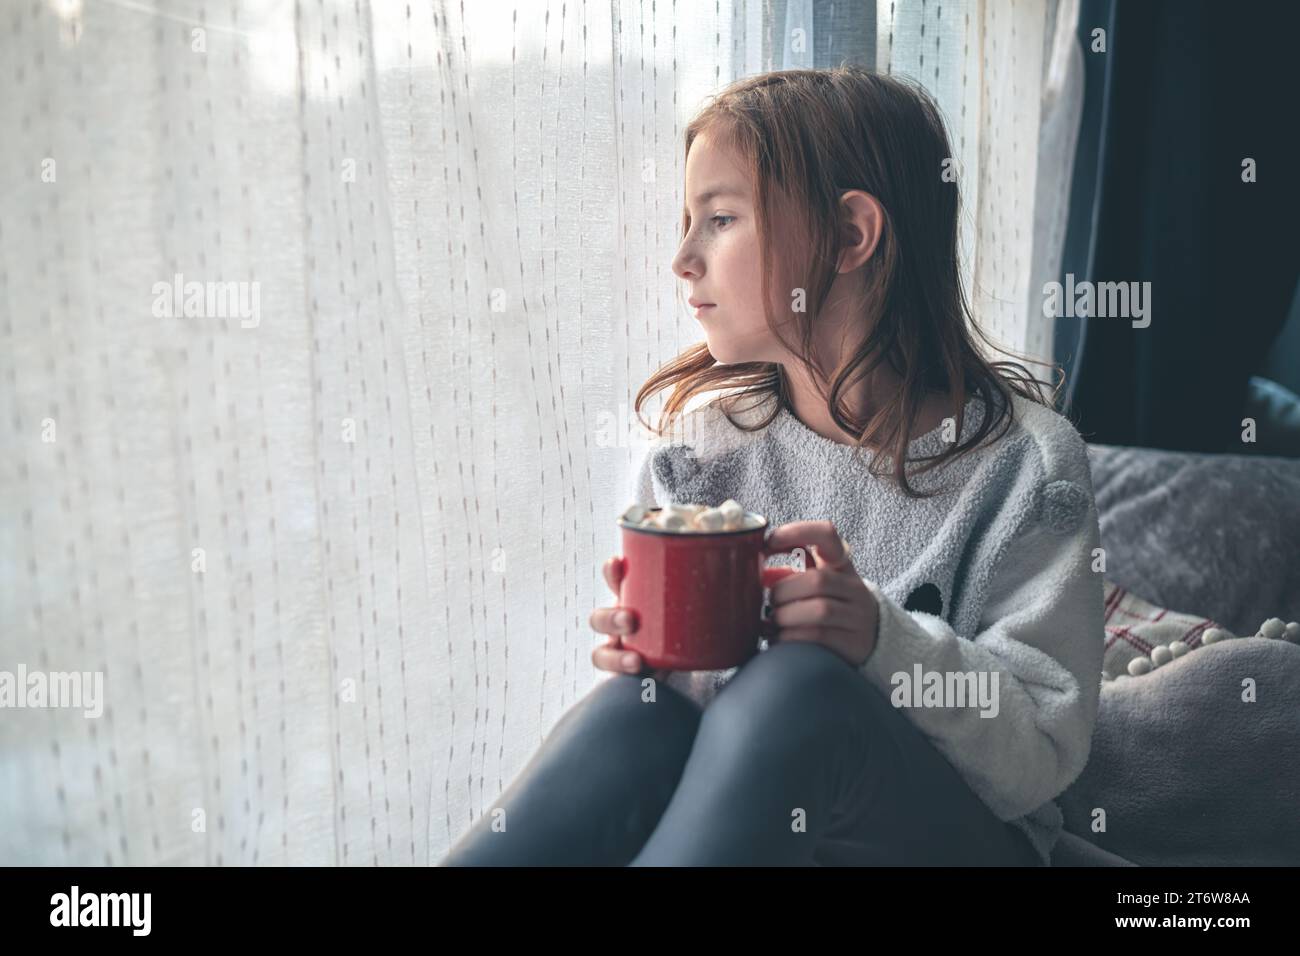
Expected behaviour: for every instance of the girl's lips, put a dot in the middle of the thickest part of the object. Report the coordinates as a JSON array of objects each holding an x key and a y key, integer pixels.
[{"x": 700, "y": 309}]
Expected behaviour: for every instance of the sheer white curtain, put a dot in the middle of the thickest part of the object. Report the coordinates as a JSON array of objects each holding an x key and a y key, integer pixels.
[{"x": 321, "y": 325}]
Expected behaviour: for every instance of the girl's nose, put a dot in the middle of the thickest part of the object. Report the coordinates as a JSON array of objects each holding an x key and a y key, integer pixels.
[{"x": 686, "y": 265}]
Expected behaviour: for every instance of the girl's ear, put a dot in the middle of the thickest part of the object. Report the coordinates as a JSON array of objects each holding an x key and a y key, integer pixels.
[{"x": 861, "y": 224}]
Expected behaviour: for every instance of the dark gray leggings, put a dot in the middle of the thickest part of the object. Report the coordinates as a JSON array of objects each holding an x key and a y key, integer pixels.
[{"x": 797, "y": 761}]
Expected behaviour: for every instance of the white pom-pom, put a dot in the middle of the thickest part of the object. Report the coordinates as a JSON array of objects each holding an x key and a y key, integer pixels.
[
  {"x": 1273, "y": 628},
  {"x": 1161, "y": 654},
  {"x": 1215, "y": 634},
  {"x": 1293, "y": 632},
  {"x": 1178, "y": 648},
  {"x": 1139, "y": 665}
]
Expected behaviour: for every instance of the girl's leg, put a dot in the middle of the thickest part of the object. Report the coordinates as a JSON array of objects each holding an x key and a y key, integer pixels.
[
  {"x": 799, "y": 761},
  {"x": 595, "y": 788}
]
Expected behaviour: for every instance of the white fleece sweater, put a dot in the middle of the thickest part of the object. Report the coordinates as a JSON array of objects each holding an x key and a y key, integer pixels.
[{"x": 993, "y": 575}]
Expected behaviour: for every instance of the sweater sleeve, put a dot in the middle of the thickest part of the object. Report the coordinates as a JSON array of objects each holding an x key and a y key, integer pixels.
[{"x": 1042, "y": 634}]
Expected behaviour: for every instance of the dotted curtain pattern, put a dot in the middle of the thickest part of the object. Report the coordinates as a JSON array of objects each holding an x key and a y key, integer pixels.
[{"x": 321, "y": 326}]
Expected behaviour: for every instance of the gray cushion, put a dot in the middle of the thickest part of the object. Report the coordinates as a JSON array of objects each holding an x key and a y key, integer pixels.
[
  {"x": 1214, "y": 535},
  {"x": 1187, "y": 772}
]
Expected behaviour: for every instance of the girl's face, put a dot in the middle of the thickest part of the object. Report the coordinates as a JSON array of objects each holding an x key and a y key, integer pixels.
[{"x": 719, "y": 257}]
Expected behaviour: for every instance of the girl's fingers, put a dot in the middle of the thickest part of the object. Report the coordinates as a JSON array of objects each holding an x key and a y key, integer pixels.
[
  {"x": 829, "y": 549},
  {"x": 772, "y": 575},
  {"x": 613, "y": 620},
  {"x": 820, "y": 612},
  {"x": 613, "y": 657},
  {"x": 801, "y": 634},
  {"x": 797, "y": 587}
]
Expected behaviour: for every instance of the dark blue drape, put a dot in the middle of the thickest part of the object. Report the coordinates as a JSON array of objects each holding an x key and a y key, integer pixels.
[{"x": 1184, "y": 93}]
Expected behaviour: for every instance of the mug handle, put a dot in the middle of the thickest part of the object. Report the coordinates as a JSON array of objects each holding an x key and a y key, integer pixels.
[{"x": 765, "y": 626}]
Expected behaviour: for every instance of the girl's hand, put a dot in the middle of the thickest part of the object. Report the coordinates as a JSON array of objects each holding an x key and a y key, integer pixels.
[
  {"x": 612, "y": 656},
  {"x": 827, "y": 604}
]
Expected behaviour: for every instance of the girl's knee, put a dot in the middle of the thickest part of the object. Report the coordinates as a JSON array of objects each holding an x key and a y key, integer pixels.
[
  {"x": 794, "y": 681},
  {"x": 800, "y": 666},
  {"x": 625, "y": 700}
]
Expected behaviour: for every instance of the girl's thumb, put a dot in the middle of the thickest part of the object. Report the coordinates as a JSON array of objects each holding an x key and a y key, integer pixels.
[{"x": 772, "y": 575}]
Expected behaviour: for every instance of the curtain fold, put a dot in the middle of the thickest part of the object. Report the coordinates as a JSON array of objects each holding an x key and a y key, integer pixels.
[
  {"x": 1176, "y": 209},
  {"x": 322, "y": 323}
]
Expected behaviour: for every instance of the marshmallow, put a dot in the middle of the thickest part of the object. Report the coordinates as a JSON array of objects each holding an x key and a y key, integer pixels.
[
  {"x": 731, "y": 510},
  {"x": 710, "y": 519},
  {"x": 694, "y": 517},
  {"x": 669, "y": 521},
  {"x": 635, "y": 514}
]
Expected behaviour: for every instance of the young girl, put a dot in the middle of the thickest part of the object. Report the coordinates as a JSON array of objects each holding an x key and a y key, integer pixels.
[{"x": 931, "y": 679}]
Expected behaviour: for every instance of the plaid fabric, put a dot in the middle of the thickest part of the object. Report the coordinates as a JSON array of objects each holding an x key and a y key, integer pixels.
[{"x": 1135, "y": 626}]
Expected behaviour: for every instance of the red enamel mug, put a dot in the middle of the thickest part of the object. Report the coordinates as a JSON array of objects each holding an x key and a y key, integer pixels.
[{"x": 697, "y": 595}]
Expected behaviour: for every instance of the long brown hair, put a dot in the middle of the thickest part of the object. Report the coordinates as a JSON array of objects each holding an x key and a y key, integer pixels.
[{"x": 809, "y": 136}]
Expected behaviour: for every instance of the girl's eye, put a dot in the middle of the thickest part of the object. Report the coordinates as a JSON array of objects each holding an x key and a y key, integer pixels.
[{"x": 730, "y": 219}]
